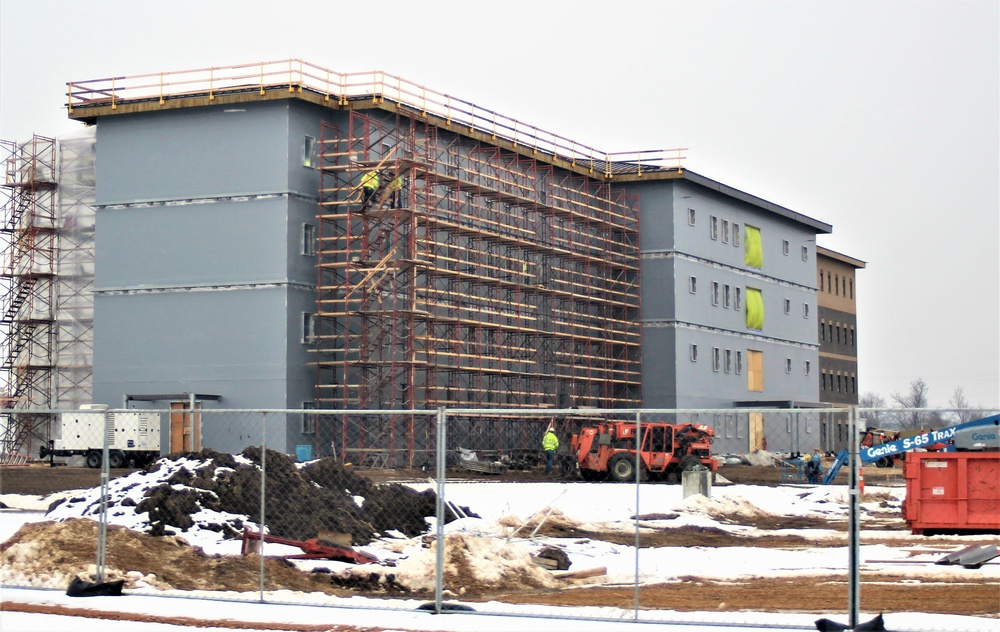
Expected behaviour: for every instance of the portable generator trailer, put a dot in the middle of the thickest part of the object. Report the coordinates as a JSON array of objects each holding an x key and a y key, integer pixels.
[
  {"x": 132, "y": 437},
  {"x": 608, "y": 450}
]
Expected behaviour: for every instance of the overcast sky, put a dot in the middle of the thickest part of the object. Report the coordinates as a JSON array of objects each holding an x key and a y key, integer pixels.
[{"x": 880, "y": 118}]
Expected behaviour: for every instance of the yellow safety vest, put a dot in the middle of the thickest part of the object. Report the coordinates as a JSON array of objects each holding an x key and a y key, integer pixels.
[
  {"x": 370, "y": 180},
  {"x": 550, "y": 441}
]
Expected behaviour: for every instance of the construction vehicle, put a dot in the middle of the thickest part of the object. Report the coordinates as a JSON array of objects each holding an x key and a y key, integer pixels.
[
  {"x": 131, "y": 437},
  {"x": 608, "y": 450},
  {"x": 944, "y": 440}
]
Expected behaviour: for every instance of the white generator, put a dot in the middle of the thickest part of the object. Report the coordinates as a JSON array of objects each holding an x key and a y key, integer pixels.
[{"x": 132, "y": 438}]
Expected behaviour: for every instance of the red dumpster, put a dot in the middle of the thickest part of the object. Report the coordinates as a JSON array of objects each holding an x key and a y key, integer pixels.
[{"x": 952, "y": 492}]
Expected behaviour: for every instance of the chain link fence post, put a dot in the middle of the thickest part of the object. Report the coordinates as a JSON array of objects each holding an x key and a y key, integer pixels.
[
  {"x": 442, "y": 448},
  {"x": 263, "y": 498},
  {"x": 854, "y": 527},
  {"x": 638, "y": 481},
  {"x": 102, "y": 522}
]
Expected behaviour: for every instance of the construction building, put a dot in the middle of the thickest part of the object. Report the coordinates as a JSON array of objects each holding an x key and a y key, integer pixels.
[
  {"x": 838, "y": 330},
  {"x": 241, "y": 263}
]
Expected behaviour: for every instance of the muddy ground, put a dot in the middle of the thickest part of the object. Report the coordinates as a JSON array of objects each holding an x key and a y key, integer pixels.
[{"x": 904, "y": 592}]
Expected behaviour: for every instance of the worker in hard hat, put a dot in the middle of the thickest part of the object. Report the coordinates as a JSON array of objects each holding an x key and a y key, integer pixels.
[
  {"x": 396, "y": 192},
  {"x": 813, "y": 468},
  {"x": 550, "y": 443},
  {"x": 369, "y": 183}
]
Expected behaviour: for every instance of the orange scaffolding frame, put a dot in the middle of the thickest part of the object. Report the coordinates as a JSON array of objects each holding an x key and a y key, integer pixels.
[{"x": 498, "y": 280}]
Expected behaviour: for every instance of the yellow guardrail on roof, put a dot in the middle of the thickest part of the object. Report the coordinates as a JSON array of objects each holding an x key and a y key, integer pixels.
[{"x": 296, "y": 75}]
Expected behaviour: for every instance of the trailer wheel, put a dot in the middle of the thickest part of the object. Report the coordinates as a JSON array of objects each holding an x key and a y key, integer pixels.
[
  {"x": 116, "y": 460},
  {"x": 622, "y": 468},
  {"x": 93, "y": 459}
]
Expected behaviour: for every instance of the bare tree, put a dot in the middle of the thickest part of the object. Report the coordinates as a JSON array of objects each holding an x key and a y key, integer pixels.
[
  {"x": 873, "y": 419},
  {"x": 964, "y": 412},
  {"x": 916, "y": 397}
]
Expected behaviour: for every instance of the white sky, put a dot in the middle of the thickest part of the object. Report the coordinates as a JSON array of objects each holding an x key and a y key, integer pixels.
[{"x": 880, "y": 118}]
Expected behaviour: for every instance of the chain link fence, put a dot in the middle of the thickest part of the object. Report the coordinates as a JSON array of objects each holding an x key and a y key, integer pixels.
[{"x": 719, "y": 517}]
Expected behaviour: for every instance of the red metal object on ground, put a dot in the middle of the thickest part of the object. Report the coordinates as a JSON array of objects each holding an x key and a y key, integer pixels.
[
  {"x": 311, "y": 549},
  {"x": 952, "y": 492}
]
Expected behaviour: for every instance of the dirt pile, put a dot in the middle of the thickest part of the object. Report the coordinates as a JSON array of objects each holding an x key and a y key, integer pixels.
[
  {"x": 51, "y": 554},
  {"x": 222, "y": 493},
  {"x": 476, "y": 565}
]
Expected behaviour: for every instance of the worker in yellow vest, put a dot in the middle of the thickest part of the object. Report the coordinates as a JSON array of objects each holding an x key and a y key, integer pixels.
[
  {"x": 550, "y": 443},
  {"x": 369, "y": 183},
  {"x": 396, "y": 192}
]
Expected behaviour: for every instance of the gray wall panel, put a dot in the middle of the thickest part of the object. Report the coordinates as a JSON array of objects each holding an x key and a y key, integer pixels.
[
  {"x": 193, "y": 153},
  {"x": 228, "y": 343},
  {"x": 222, "y": 242}
]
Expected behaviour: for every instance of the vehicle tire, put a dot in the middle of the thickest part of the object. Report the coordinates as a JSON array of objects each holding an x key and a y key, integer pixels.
[
  {"x": 883, "y": 462},
  {"x": 622, "y": 468},
  {"x": 93, "y": 459},
  {"x": 689, "y": 462},
  {"x": 116, "y": 460}
]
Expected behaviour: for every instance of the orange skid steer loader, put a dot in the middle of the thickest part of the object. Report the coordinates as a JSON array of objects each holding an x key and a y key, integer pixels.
[{"x": 608, "y": 450}]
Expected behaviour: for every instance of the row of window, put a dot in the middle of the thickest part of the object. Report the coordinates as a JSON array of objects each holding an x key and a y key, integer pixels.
[
  {"x": 733, "y": 296},
  {"x": 829, "y": 332},
  {"x": 720, "y": 229},
  {"x": 836, "y": 284},
  {"x": 730, "y": 361},
  {"x": 838, "y": 383}
]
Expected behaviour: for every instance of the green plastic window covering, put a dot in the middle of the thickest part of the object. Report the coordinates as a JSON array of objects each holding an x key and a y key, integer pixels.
[
  {"x": 755, "y": 309},
  {"x": 754, "y": 251}
]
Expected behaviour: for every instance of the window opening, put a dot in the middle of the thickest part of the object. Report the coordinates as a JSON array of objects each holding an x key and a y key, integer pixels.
[
  {"x": 753, "y": 250},
  {"x": 309, "y": 239},
  {"x": 310, "y": 157},
  {"x": 755, "y": 371},
  {"x": 755, "y": 309}
]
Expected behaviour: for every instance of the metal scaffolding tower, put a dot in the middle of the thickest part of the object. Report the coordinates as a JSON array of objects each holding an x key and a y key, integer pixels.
[
  {"x": 46, "y": 330},
  {"x": 27, "y": 313},
  {"x": 472, "y": 277}
]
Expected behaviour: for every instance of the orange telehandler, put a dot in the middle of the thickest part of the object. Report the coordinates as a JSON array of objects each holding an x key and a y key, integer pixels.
[{"x": 607, "y": 450}]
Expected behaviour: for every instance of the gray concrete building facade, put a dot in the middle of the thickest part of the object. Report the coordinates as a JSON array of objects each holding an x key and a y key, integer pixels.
[{"x": 206, "y": 282}]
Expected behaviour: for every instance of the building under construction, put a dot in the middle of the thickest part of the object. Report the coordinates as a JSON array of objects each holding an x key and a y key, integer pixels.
[{"x": 283, "y": 236}]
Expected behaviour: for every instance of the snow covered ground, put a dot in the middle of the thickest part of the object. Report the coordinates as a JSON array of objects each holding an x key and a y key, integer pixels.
[{"x": 592, "y": 506}]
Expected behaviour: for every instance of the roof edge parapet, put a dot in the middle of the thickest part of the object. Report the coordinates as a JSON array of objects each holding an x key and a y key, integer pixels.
[{"x": 89, "y": 98}]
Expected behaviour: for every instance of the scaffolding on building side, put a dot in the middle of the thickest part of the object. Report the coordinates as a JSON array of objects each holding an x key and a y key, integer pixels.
[{"x": 472, "y": 276}]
